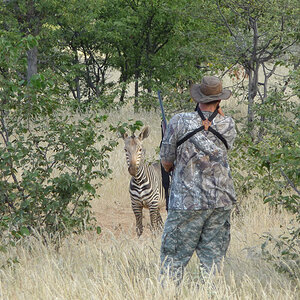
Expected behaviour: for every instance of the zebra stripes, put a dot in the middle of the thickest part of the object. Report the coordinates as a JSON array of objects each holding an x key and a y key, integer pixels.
[{"x": 145, "y": 189}]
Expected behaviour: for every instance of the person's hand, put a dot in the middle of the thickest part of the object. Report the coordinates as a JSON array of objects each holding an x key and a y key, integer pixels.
[
  {"x": 220, "y": 111},
  {"x": 168, "y": 166}
]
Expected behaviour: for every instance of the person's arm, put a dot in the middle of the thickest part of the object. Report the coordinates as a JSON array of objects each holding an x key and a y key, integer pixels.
[
  {"x": 168, "y": 145},
  {"x": 230, "y": 134},
  {"x": 227, "y": 130}
]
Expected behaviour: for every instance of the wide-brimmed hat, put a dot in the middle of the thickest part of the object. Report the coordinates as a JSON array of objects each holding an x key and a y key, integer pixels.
[{"x": 210, "y": 89}]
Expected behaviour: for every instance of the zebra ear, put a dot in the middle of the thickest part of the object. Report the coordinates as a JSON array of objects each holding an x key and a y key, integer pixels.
[
  {"x": 144, "y": 133},
  {"x": 124, "y": 135}
]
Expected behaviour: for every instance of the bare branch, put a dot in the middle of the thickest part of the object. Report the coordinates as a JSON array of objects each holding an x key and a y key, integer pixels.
[
  {"x": 296, "y": 65},
  {"x": 236, "y": 62},
  {"x": 289, "y": 182},
  {"x": 272, "y": 54},
  {"x": 264, "y": 48},
  {"x": 224, "y": 19},
  {"x": 160, "y": 46},
  {"x": 4, "y": 132},
  {"x": 234, "y": 10},
  {"x": 260, "y": 95}
]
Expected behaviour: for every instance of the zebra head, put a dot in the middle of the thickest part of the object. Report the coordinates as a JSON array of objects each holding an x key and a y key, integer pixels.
[{"x": 134, "y": 150}]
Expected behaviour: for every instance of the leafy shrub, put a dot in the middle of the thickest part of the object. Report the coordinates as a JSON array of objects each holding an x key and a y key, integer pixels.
[
  {"x": 283, "y": 250},
  {"x": 50, "y": 159},
  {"x": 269, "y": 165}
]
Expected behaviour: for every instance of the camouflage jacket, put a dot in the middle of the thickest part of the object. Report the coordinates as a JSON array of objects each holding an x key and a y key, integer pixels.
[{"x": 201, "y": 177}]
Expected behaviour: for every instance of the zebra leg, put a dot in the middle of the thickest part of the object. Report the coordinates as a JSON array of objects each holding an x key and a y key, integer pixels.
[
  {"x": 138, "y": 212},
  {"x": 156, "y": 220},
  {"x": 160, "y": 222}
]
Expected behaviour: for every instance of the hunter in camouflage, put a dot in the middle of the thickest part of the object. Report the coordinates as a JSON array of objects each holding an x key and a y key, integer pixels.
[
  {"x": 182, "y": 233},
  {"x": 202, "y": 192}
]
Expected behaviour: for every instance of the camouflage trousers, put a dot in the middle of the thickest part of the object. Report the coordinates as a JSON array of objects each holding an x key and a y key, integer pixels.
[{"x": 205, "y": 231}]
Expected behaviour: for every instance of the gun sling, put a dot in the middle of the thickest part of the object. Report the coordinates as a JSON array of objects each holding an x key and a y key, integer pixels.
[{"x": 206, "y": 126}]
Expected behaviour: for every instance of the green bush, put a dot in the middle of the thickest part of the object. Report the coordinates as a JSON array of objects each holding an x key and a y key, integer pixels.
[
  {"x": 268, "y": 164},
  {"x": 50, "y": 157}
]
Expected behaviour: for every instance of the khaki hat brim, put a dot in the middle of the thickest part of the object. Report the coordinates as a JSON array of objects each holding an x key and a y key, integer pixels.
[{"x": 201, "y": 98}]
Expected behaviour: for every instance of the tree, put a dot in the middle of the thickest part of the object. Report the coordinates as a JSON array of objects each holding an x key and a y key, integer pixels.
[
  {"x": 270, "y": 168},
  {"x": 28, "y": 16},
  {"x": 141, "y": 29},
  {"x": 264, "y": 35},
  {"x": 48, "y": 158},
  {"x": 85, "y": 53}
]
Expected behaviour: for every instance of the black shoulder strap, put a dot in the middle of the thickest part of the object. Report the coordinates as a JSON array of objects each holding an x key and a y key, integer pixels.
[
  {"x": 200, "y": 113},
  {"x": 219, "y": 135},
  {"x": 189, "y": 135},
  {"x": 206, "y": 126}
]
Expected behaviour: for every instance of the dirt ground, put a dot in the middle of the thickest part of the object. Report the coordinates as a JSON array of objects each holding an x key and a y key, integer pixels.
[
  {"x": 122, "y": 220},
  {"x": 112, "y": 206}
]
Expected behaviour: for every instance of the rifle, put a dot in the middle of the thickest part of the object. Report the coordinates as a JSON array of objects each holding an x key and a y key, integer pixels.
[
  {"x": 164, "y": 120},
  {"x": 165, "y": 175}
]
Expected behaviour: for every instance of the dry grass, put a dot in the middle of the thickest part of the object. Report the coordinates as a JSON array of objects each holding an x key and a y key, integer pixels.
[
  {"x": 121, "y": 266},
  {"x": 118, "y": 265}
]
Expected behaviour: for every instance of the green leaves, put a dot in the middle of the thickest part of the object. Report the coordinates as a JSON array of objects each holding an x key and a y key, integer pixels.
[
  {"x": 50, "y": 158},
  {"x": 121, "y": 128},
  {"x": 283, "y": 251},
  {"x": 269, "y": 166},
  {"x": 98, "y": 229},
  {"x": 47, "y": 174},
  {"x": 136, "y": 126}
]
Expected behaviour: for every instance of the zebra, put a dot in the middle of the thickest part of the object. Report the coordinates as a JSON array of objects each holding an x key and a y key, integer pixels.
[{"x": 145, "y": 189}]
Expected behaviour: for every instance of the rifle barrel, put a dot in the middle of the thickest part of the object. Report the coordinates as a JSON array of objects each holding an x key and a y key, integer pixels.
[{"x": 162, "y": 109}]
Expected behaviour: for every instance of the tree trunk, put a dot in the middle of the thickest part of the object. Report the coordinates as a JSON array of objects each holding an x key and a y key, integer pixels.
[
  {"x": 251, "y": 94},
  {"x": 149, "y": 63},
  {"x": 31, "y": 63},
  {"x": 77, "y": 80},
  {"x": 122, "y": 81},
  {"x": 33, "y": 21},
  {"x": 149, "y": 87},
  {"x": 78, "y": 94},
  {"x": 136, "y": 91},
  {"x": 123, "y": 92},
  {"x": 253, "y": 76}
]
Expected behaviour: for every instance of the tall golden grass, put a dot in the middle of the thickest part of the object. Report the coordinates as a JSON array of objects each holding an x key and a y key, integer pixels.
[{"x": 118, "y": 265}]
